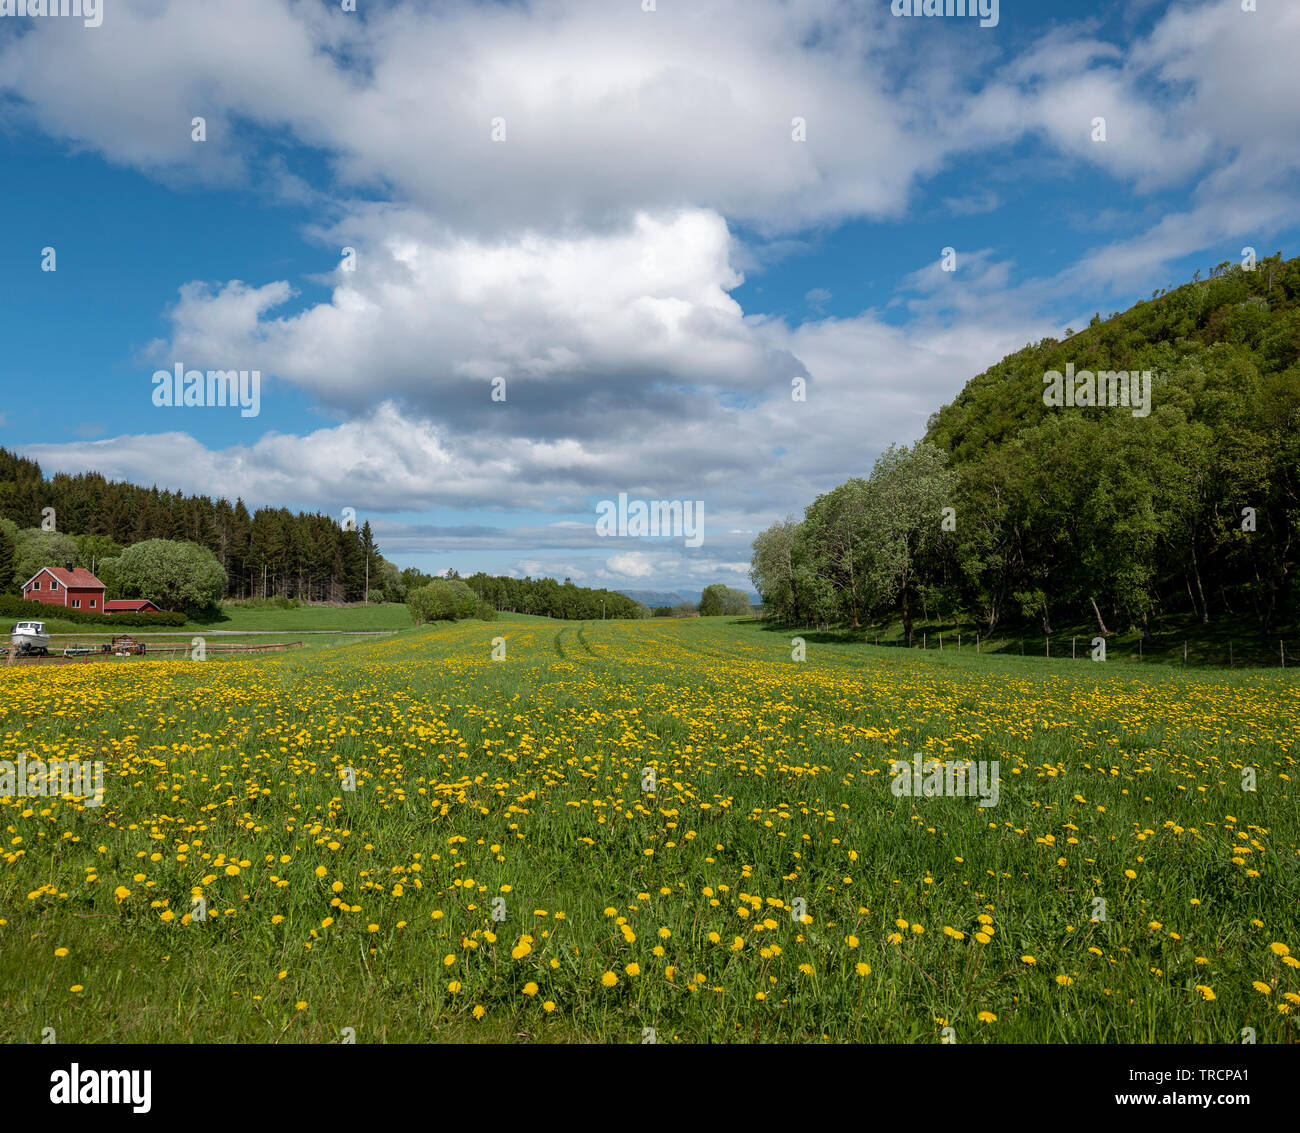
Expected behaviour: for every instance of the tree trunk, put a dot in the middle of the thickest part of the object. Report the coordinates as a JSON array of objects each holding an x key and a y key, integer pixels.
[
  {"x": 1196, "y": 570},
  {"x": 1100, "y": 624},
  {"x": 1190, "y": 596}
]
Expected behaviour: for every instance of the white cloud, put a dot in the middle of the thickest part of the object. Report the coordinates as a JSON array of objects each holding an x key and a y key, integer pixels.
[{"x": 631, "y": 564}]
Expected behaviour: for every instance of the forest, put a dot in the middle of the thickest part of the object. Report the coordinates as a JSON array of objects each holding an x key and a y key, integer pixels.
[{"x": 1013, "y": 510}]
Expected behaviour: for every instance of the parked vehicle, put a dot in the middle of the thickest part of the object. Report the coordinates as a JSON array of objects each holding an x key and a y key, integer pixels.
[
  {"x": 30, "y": 639},
  {"x": 125, "y": 644}
]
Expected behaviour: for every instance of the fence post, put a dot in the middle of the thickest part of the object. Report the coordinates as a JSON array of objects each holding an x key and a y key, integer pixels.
[
  {"x": 1184, "y": 652},
  {"x": 1072, "y": 640},
  {"x": 1047, "y": 646},
  {"x": 959, "y": 643},
  {"x": 977, "y": 643},
  {"x": 925, "y": 641},
  {"x": 941, "y": 643}
]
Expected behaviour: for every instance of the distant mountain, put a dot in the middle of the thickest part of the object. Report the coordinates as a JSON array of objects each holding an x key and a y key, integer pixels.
[{"x": 653, "y": 598}]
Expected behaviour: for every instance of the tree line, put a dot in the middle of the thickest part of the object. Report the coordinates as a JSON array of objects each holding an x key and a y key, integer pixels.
[
  {"x": 268, "y": 553},
  {"x": 1010, "y": 509},
  {"x": 552, "y": 599}
]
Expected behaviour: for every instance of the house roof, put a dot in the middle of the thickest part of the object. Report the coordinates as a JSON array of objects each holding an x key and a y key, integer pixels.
[
  {"x": 128, "y": 604},
  {"x": 77, "y": 579}
]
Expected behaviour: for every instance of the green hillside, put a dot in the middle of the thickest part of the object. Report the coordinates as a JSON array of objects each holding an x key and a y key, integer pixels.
[{"x": 1185, "y": 507}]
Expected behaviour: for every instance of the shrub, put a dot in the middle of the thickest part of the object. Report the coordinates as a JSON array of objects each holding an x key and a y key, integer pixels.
[
  {"x": 443, "y": 599},
  {"x": 719, "y": 599},
  {"x": 175, "y": 575}
]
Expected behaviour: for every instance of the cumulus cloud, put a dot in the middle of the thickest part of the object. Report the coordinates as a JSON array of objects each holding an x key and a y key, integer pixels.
[{"x": 586, "y": 331}]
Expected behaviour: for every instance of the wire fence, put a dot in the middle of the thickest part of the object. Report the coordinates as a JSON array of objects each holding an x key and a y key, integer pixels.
[{"x": 1229, "y": 654}]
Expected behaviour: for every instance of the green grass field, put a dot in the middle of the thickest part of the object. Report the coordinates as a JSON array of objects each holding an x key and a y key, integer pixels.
[
  {"x": 237, "y": 619},
  {"x": 666, "y": 824}
]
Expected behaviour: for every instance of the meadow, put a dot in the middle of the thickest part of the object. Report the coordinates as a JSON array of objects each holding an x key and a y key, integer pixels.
[
  {"x": 666, "y": 830},
  {"x": 236, "y": 620}
]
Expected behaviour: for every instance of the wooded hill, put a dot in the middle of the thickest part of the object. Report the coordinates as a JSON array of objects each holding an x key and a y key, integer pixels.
[
  {"x": 270, "y": 552},
  {"x": 1061, "y": 512}
]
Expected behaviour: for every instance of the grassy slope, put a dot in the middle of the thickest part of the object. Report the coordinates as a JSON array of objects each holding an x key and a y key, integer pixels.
[{"x": 772, "y": 781}]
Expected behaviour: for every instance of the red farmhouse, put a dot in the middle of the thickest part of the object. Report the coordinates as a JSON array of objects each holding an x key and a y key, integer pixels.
[{"x": 63, "y": 586}]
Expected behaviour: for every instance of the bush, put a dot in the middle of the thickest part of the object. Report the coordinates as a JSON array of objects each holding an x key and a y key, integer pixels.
[
  {"x": 719, "y": 599},
  {"x": 443, "y": 599},
  {"x": 44, "y": 612},
  {"x": 175, "y": 575}
]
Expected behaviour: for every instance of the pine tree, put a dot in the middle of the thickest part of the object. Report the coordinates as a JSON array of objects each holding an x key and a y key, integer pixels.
[{"x": 8, "y": 584}]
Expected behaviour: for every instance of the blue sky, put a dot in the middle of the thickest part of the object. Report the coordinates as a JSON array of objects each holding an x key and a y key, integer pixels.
[{"x": 647, "y": 258}]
